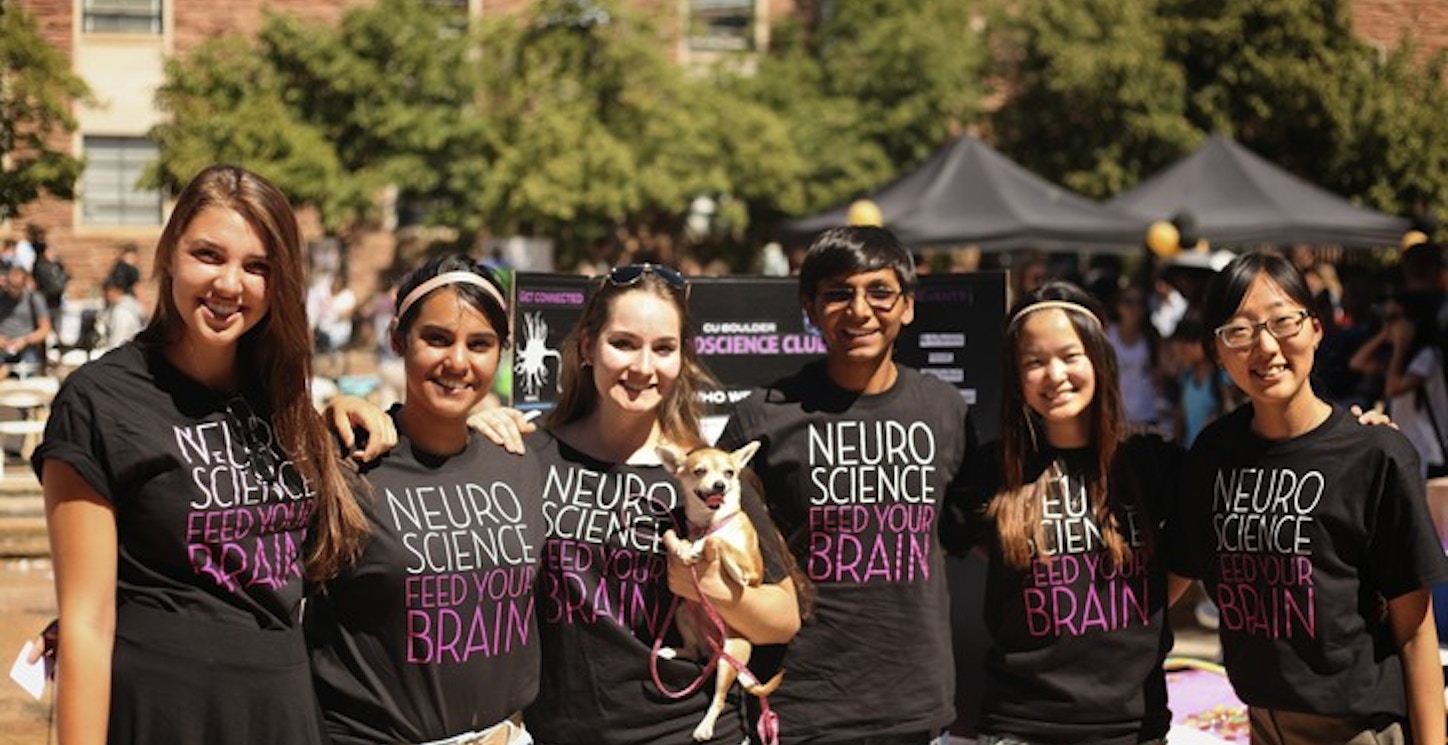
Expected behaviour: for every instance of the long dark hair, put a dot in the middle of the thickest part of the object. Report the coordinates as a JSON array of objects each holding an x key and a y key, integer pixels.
[
  {"x": 679, "y": 414},
  {"x": 1016, "y": 508},
  {"x": 276, "y": 353}
]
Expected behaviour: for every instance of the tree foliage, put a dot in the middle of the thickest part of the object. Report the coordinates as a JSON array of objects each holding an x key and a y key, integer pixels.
[
  {"x": 870, "y": 90},
  {"x": 1096, "y": 104},
  {"x": 37, "y": 90},
  {"x": 1104, "y": 93},
  {"x": 568, "y": 119},
  {"x": 227, "y": 104}
]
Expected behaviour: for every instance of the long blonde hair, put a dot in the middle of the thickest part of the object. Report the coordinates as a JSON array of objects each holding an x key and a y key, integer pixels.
[{"x": 276, "y": 353}]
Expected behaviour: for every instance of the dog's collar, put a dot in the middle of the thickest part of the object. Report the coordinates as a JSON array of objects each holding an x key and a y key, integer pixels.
[{"x": 714, "y": 526}]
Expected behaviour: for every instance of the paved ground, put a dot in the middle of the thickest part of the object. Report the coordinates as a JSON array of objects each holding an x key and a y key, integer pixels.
[{"x": 27, "y": 603}]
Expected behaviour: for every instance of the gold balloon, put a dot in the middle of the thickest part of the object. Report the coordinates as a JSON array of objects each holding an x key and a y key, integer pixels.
[
  {"x": 1412, "y": 238},
  {"x": 864, "y": 212},
  {"x": 1163, "y": 239}
]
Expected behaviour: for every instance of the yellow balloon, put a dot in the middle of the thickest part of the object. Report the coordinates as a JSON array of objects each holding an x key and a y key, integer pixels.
[
  {"x": 1412, "y": 238},
  {"x": 1163, "y": 239},
  {"x": 864, "y": 212}
]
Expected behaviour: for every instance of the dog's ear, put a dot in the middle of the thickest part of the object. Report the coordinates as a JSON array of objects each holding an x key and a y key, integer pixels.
[
  {"x": 671, "y": 458},
  {"x": 744, "y": 453}
]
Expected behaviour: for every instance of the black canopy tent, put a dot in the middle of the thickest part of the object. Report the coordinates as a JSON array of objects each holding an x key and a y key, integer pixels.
[
  {"x": 969, "y": 194},
  {"x": 1238, "y": 198}
]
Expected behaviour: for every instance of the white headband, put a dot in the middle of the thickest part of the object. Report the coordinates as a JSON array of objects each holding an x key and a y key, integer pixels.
[
  {"x": 450, "y": 278},
  {"x": 1061, "y": 304}
]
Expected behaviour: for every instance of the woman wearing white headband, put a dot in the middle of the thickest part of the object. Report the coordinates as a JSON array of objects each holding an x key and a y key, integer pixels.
[
  {"x": 1069, "y": 509},
  {"x": 431, "y": 635}
]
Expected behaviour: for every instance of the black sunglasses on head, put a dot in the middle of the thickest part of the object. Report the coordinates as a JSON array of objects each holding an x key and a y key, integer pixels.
[{"x": 627, "y": 276}]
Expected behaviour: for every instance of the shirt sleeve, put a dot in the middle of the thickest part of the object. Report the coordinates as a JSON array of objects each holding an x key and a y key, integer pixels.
[
  {"x": 1406, "y": 551},
  {"x": 73, "y": 435},
  {"x": 963, "y": 522}
]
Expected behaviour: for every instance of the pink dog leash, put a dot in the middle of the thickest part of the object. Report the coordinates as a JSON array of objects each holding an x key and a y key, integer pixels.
[{"x": 768, "y": 725}]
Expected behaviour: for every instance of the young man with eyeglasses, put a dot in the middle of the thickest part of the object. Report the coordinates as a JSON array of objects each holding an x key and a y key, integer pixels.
[{"x": 857, "y": 456}]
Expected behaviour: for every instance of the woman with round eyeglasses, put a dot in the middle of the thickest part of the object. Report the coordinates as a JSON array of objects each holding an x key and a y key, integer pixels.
[{"x": 1312, "y": 535}]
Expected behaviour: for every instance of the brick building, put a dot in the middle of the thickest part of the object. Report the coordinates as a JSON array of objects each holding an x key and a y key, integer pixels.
[{"x": 118, "y": 47}]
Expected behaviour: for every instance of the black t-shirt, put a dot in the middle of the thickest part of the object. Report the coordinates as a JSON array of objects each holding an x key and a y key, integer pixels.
[
  {"x": 603, "y": 600},
  {"x": 1299, "y": 541},
  {"x": 856, "y": 484},
  {"x": 1079, "y": 640},
  {"x": 210, "y": 515},
  {"x": 433, "y": 631}
]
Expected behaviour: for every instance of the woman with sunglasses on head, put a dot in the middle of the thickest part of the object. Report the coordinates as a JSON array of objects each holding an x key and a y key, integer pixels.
[
  {"x": 630, "y": 380},
  {"x": 1069, "y": 507},
  {"x": 431, "y": 635},
  {"x": 1311, "y": 534},
  {"x": 186, "y": 474}
]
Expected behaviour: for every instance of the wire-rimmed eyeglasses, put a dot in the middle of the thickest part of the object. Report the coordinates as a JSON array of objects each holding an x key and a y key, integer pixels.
[{"x": 1239, "y": 335}]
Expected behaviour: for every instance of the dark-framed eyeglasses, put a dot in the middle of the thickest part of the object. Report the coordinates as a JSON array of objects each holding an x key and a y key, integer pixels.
[
  {"x": 878, "y": 297},
  {"x": 1239, "y": 335},
  {"x": 630, "y": 275}
]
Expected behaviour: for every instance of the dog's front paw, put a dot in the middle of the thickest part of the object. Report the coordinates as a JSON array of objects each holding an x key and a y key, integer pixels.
[{"x": 704, "y": 732}]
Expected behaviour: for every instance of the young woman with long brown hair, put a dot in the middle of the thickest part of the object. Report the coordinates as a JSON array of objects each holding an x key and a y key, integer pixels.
[
  {"x": 188, "y": 481},
  {"x": 630, "y": 379}
]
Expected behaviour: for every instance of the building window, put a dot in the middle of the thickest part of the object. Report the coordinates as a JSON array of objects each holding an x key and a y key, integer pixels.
[
  {"x": 109, "y": 194},
  {"x": 121, "y": 16},
  {"x": 721, "y": 25}
]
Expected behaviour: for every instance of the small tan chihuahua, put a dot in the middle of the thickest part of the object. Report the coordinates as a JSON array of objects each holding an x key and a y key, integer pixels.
[{"x": 718, "y": 526}]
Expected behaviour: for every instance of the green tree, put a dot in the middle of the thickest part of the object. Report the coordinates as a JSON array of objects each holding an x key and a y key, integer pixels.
[
  {"x": 225, "y": 103},
  {"x": 1291, "y": 80},
  {"x": 1095, "y": 103},
  {"x": 828, "y": 133},
  {"x": 392, "y": 89},
  {"x": 1398, "y": 124},
  {"x": 37, "y": 90},
  {"x": 1103, "y": 93},
  {"x": 916, "y": 67},
  {"x": 600, "y": 135},
  {"x": 871, "y": 89},
  {"x": 334, "y": 114}
]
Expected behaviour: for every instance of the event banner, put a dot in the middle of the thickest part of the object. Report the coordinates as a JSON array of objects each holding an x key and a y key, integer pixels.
[{"x": 751, "y": 330}]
